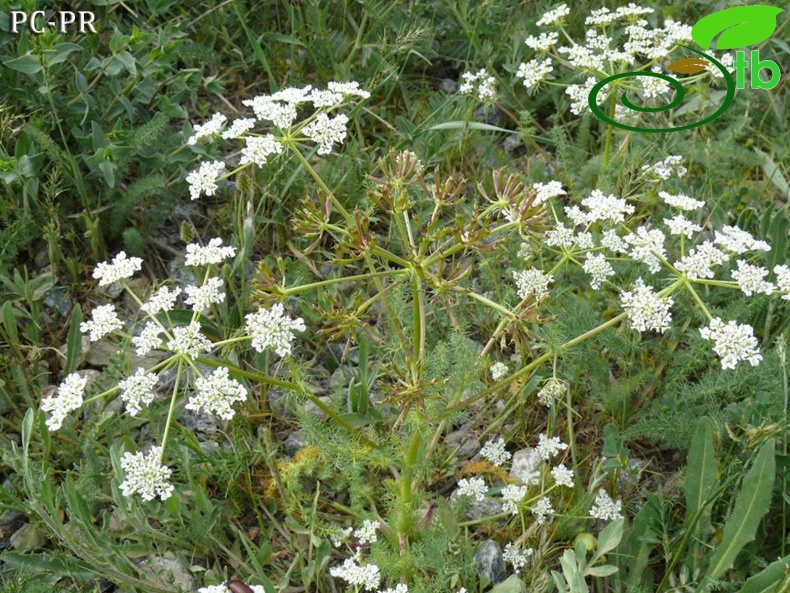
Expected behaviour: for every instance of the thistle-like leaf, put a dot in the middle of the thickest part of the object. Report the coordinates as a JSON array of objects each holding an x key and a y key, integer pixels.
[{"x": 736, "y": 27}]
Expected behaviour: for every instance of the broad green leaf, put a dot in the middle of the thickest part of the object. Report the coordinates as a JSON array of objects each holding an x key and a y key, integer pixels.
[
  {"x": 736, "y": 27},
  {"x": 775, "y": 578},
  {"x": 774, "y": 173},
  {"x": 28, "y": 64},
  {"x": 609, "y": 538},
  {"x": 512, "y": 584},
  {"x": 752, "y": 503},
  {"x": 700, "y": 480},
  {"x": 60, "y": 53},
  {"x": 602, "y": 571}
]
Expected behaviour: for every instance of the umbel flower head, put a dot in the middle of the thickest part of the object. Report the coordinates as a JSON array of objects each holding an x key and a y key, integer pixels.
[
  {"x": 273, "y": 328},
  {"x": 217, "y": 393},
  {"x": 145, "y": 475},
  {"x": 68, "y": 398},
  {"x": 733, "y": 342}
]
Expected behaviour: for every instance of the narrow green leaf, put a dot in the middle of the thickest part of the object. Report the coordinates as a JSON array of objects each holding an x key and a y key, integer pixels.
[
  {"x": 73, "y": 341},
  {"x": 751, "y": 505},
  {"x": 738, "y": 27},
  {"x": 473, "y": 125},
  {"x": 28, "y": 64},
  {"x": 602, "y": 571},
  {"x": 774, "y": 173}
]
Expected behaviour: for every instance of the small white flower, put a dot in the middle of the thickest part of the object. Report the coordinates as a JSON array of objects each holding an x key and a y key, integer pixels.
[
  {"x": 163, "y": 299},
  {"x": 474, "y": 487},
  {"x": 599, "y": 268},
  {"x": 562, "y": 475},
  {"x": 481, "y": 84},
  {"x": 542, "y": 509},
  {"x": 606, "y": 207},
  {"x": 494, "y": 451},
  {"x": 189, "y": 341},
  {"x": 137, "y": 390},
  {"x": 148, "y": 339},
  {"x": 532, "y": 282},
  {"x": 201, "y": 297},
  {"x": 645, "y": 309},
  {"x": 549, "y": 447},
  {"x": 217, "y": 393},
  {"x": 367, "y": 533},
  {"x": 273, "y": 328},
  {"x": 145, "y": 475},
  {"x": 104, "y": 321},
  {"x": 733, "y": 342},
  {"x": 210, "y": 128},
  {"x": 498, "y": 370},
  {"x": 511, "y": 496},
  {"x": 204, "y": 179},
  {"x": 325, "y": 98},
  {"x": 212, "y": 253},
  {"x": 750, "y": 279},
  {"x": 611, "y": 240},
  {"x": 326, "y": 132},
  {"x": 560, "y": 236},
  {"x": 121, "y": 267},
  {"x": 605, "y": 508},
  {"x": 259, "y": 148},
  {"x": 67, "y": 399},
  {"x": 367, "y": 576},
  {"x": 348, "y": 89}
]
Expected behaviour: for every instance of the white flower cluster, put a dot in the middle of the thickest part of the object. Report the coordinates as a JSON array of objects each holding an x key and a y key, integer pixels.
[
  {"x": 783, "y": 280},
  {"x": 105, "y": 320},
  {"x": 217, "y": 393},
  {"x": 680, "y": 225},
  {"x": 646, "y": 310},
  {"x": 532, "y": 282},
  {"x": 494, "y": 451},
  {"x": 700, "y": 261},
  {"x": 646, "y": 246},
  {"x": 68, "y": 399},
  {"x": 605, "y": 508},
  {"x": 549, "y": 447},
  {"x": 120, "y": 267},
  {"x": 534, "y": 71},
  {"x": 599, "y": 268},
  {"x": 273, "y": 328},
  {"x": 670, "y": 167},
  {"x": 512, "y": 494},
  {"x": 554, "y": 15},
  {"x": 146, "y": 475},
  {"x": 733, "y": 342},
  {"x": 498, "y": 370},
  {"x": 481, "y": 84},
  {"x": 138, "y": 390},
  {"x": 188, "y": 340},
  {"x": 552, "y": 391},
  {"x": 201, "y": 297},
  {"x": 367, "y": 533},
  {"x": 545, "y": 191},
  {"x": 213, "y": 253},
  {"x": 543, "y": 42},
  {"x": 603, "y": 207},
  {"x": 542, "y": 510},
  {"x": 162, "y": 300},
  {"x": 516, "y": 556},
  {"x": 750, "y": 279},
  {"x": 280, "y": 110},
  {"x": 562, "y": 475},
  {"x": 473, "y": 487},
  {"x": 739, "y": 241},
  {"x": 367, "y": 576},
  {"x": 680, "y": 201},
  {"x": 148, "y": 339}
]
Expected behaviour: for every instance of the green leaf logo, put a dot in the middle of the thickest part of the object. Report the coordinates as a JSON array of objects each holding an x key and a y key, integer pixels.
[{"x": 736, "y": 27}]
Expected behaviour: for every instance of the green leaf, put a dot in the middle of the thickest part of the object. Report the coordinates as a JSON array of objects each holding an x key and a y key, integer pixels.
[
  {"x": 602, "y": 571},
  {"x": 60, "y": 53},
  {"x": 73, "y": 342},
  {"x": 512, "y": 584},
  {"x": 700, "y": 480},
  {"x": 609, "y": 538},
  {"x": 775, "y": 578},
  {"x": 28, "y": 64},
  {"x": 774, "y": 173},
  {"x": 751, "y": 505},
  {"x": 736, "y": 27},
  {"x": 474, "y": 125}
]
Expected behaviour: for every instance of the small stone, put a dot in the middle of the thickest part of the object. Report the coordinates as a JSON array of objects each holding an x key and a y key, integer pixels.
[
  {"x": 449, "y": 86},
  {"x": 489, "y": 562},
  {"x": 477, "y": 510},
  {"x": 168, "y": 571},
  {"x": 294, "y": 442},
  {"x": 467, "y": 441},
  {"x": 524, "y": 460}
]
